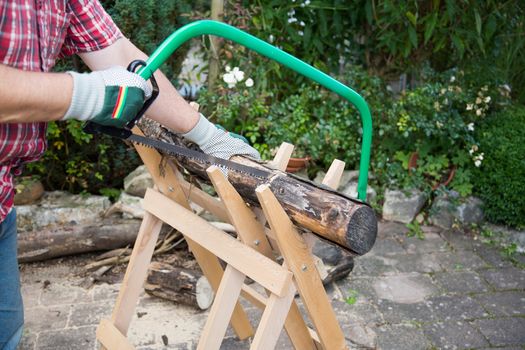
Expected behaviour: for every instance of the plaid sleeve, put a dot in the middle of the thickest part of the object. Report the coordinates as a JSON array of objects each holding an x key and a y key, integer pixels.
[{"x": 90, "y": 29}]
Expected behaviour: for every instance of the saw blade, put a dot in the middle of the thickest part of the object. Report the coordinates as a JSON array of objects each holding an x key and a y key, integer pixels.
[{"x": 197, "y": 156}]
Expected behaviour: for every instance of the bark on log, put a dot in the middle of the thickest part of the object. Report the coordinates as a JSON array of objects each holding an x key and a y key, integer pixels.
[
  {"x": 342, "y": 220},
  {"x": 68, "y": 240},
  {"x": 178, "y": 284}
]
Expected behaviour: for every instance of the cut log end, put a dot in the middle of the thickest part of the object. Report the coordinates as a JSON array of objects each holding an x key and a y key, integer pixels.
[{"x": 362, "y": 230}]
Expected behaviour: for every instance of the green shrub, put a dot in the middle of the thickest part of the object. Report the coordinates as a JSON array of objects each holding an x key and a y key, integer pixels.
[{"x": 500, "y": 180}]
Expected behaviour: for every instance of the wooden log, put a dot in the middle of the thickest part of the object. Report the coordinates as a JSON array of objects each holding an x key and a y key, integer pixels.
[
  {"x": 342, "y": 220},
  {"x": 178, "y": 284},
  {"x": 68, "y": 240}
]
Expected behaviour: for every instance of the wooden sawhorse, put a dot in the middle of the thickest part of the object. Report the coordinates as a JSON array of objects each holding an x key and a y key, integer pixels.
[{"x": 250, "y": 255}]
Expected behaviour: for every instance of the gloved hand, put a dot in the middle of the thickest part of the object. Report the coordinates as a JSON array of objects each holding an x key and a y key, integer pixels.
[
  {"x": 110, "y": 97},
  {"x": 218, "y": 142}
]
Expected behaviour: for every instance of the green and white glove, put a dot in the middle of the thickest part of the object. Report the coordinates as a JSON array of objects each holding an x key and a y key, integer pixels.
[
  {"x": 109, "y": 97},
  {"x": 219, "y": 142}
]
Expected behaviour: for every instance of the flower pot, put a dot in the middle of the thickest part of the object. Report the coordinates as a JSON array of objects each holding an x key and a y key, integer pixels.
[{"x": 296, "y": 164}]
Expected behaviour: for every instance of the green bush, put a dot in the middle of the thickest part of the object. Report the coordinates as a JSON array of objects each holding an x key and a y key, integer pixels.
[{"x": 500, "y": 180}]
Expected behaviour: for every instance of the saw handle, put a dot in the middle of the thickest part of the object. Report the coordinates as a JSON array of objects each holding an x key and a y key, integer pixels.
[
  {"x": 132, "y": 67},
  {"x": 94, "y": 128}
]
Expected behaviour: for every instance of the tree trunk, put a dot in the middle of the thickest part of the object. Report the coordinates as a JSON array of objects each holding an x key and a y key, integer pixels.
[
  {"x": 178, "y": 284},
  {"x": 344, "y": 221},
  {"x": 68, "y": 240}
]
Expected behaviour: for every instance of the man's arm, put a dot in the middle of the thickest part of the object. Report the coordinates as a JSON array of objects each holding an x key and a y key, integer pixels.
[
  {"x": 169, "y": 109},
  {"x": 33, "y": 96}
]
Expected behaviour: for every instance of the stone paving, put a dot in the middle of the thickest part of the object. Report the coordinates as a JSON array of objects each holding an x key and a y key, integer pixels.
[{"x": 445, "y": 291}]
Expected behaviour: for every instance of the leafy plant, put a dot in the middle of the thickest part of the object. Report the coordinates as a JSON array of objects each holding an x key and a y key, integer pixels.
[
  {"x": 499, "y": 179},
  {"x": 414, "y": 230},
  {"x": 351, "y": 299}
]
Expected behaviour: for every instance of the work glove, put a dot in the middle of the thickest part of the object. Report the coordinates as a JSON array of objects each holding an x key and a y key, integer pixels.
[
  {"x": 218, "y": 142},
  {"x": 110, "y": 97}
]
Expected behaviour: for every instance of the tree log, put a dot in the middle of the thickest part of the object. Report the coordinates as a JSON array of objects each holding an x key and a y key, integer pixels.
[
  {"x": 68, "y": 240},
  {"x": 345, "y": 221},
  {"x": 178, "y": 284}
]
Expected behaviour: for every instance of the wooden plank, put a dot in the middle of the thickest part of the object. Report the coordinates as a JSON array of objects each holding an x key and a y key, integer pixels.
[
  {"x": 268, "y": 273},
  {"x": 168, "y": 180},
  {"x": 252, "y": 232},
  {"x": 272, "y": 320},
  {"x": 211, "y": 204},
  {"x": 136, "y": 272},
  {"x": 334, "y": 173},
  {"x": 221, "y": 310},
  {"x": 299, "y": 260},
  {"x": 110, "y": 337},
  {"x": 282, "y": 157}
]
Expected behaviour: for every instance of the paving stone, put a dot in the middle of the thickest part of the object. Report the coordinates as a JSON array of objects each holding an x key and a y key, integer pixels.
[
  {"x": 57, "y": 293},
  {"x": 28, "y": 341},
  {"x": 503, "y": 303},
  {"x": 89, "y": 314},
  {"x": 67, "y": 339},
  {"x": 374, "y": 266},
  {"x": 404, "y": 288},
  {"x": 46, "y": 318},
  {"x": 431, "y": 243},
  {"x": 31, "y": 294},
  {"x": 360, "y": 335},
  {"x": 387, "y": 246},
  {"x": 425, "y": 263},
  {"x": 391, "y": 229},
  {"x": 404, "y": 313},
  {"x": 458, "y": 240},
  {"x": 445, "y": 308},
  {"x": 492, "y": 256},
  {"x": 463, "y": 260},
  {"x": 234, "y": 344},
  {"x": 461, "y": 282},
  {"x": 406, "y": 337},
  {"x": 362, "y": 313},
  {"x": 454, "y": 335},
  {"x": 105, "y": 291},
  {"x": 506, "y": 278},
  {"x": 363, "y": 287},
  {"x": 503, "y": 331}
]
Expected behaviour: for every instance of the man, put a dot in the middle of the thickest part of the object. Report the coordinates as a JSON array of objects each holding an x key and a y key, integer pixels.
[{"x": 33, "y": 34}]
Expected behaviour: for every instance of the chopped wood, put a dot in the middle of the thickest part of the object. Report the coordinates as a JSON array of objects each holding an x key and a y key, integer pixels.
[
  {"x": 344, "y": 221},
  {"x": 178, "y": 284}
]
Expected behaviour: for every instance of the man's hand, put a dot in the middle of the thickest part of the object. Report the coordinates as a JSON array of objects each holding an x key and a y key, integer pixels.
[
  {"x": 110, "y": 97},
  {"x": 218, "y": 142}
]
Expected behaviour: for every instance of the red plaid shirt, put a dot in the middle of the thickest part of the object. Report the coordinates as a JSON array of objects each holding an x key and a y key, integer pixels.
[{"x": 33, "y": 34}]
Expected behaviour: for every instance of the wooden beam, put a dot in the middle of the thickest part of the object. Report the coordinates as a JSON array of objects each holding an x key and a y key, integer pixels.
[
  {"x": 299, "y": 260},
  {"x": 110, "y": 337},
  {"x": 282, "y": 157},
  {"x": 268, "y": 273},
  {"x": 334, "y": 173}
]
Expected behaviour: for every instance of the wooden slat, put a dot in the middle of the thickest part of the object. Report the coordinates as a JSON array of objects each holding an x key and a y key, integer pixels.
[
  {"x": 268, "y": 273},
  {"x": 136, "y": 273},
  {"x": 296, "y": 254},
  {"x": 168, "y": 180},
  {"x": 221, "y": 310},
  {"x": 252, "y": 233},
  {"x": 334, "y": 173},
  {"x": 110, "y": 337},
  {"x": 272, "y": 320},
  {"x": 282, "y": 157}
]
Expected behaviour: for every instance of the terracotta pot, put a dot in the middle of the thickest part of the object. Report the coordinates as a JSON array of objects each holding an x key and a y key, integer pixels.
[{"x": 296, "y": 164}]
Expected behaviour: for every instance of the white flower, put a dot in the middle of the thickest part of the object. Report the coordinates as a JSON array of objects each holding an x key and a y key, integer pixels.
[
  {"x": 485, "y": 88},
  {"x": 480, "y": 157},
  {"x": 442, "y": 91},
  {"x": 238, "y": 74},
  {"x": 229, "y": 79},
  {"x": 478, "y": 100},
  {"x": 477, "y": 163},
  {"x": 249, "y": 82},
  {"x": 478, "y": 112},
  {"x": 439, "y": 124},
  {"x": 307, "y": 2},
  {"x": 470, "y": 127},
  {"x": 346, "y": 42},
  {"x": 470, "y": 106},
  {"x": 302, "y": 24},
  {"x": 437, "y": 106},
  {"x": 506, "y": 87},
  {"x": 228, "y": 68},
  {"x": 301, "y": 33},
  {"x": 292, "y": 20},
  {"x": 452, "y": 79},
  {"x": 271, "y": 38},
  {"x": 487, "y": 99}
]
